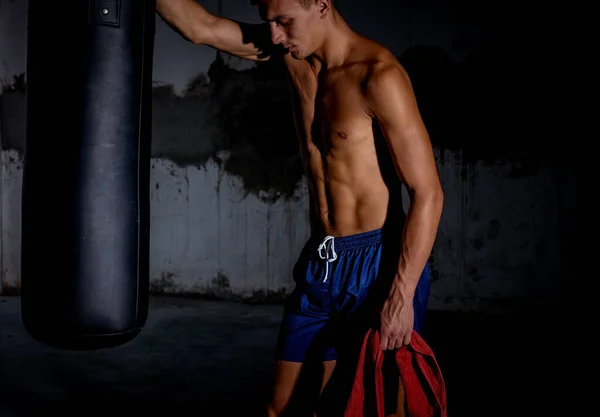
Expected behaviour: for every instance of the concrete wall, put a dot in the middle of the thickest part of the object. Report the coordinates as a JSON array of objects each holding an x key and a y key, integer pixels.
[{"x": 228, "y": 199}]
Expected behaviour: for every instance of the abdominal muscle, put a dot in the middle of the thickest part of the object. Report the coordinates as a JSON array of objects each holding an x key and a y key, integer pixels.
[{"x": 348, "y": 193}]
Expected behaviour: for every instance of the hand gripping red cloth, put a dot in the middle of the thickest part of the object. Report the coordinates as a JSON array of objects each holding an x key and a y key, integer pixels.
[{"x": 425, "y": 391}]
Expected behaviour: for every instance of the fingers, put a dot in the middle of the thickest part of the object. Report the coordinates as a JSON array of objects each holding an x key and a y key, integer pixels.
[
  {"x": 390, "y": 341},
  {"x": 384, "y": 341},
  {"x": 399, "y": 341}
]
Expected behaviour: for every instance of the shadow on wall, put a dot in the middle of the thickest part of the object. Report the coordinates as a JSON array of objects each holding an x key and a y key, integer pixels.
[
  {"x": 480, "y": 105},
  {"x": 242, "y": 119}
]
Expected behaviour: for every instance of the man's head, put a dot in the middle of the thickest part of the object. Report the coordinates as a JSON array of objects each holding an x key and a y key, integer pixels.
[{"x": 298, "y": 25}]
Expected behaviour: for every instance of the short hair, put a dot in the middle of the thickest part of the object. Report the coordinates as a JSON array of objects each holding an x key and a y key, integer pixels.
[{"x": 306, "y": 4}]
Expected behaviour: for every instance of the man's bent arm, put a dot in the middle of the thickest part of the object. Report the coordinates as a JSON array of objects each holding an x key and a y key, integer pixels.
[
  {"x": 390, "y": 101},
  {"x": 194, "y": 22}
]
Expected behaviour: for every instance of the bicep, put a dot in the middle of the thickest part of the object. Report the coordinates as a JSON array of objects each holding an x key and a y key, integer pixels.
[{"x": 391, "y": 102}]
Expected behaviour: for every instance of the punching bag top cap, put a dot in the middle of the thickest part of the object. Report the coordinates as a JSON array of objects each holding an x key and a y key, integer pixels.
[{"x": 105, "y": 12}]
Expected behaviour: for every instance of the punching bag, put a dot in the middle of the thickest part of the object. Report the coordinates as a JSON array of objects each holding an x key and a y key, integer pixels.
[{"x": 85, "y": 201}]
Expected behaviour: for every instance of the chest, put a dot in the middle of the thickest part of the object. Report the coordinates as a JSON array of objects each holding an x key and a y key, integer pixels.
[{"x": 329, "y": 107}]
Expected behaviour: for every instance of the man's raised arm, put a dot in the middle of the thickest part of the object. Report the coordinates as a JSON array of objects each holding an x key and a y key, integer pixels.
[{"x": 199, "y": 26}]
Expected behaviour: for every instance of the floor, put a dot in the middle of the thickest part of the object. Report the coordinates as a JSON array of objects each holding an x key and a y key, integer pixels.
[{"x": 210, "y": 358}]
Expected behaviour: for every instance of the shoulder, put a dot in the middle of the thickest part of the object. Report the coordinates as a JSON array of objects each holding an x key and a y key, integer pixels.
[
  {"x": 385, "y": 82},
  {"x": 384, "y": 74}
]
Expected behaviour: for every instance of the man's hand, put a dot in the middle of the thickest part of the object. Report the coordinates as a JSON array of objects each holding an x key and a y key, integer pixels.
[{"x": 397, "y": 318}]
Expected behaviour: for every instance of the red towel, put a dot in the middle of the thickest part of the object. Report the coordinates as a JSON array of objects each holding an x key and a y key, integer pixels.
[{"x": 424, "y": 387}]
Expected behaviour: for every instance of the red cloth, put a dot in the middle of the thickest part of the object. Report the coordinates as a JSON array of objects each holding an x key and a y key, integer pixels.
[{"x": 425, "y": 391}]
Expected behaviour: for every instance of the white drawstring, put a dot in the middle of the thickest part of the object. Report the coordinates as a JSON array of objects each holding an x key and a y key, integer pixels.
[{"x": 327, "y": 244}]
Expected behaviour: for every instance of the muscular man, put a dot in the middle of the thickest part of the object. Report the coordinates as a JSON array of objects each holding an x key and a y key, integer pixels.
[{"x": 360, "y": 134}]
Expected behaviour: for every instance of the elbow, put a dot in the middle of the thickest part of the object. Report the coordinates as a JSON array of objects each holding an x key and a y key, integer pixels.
[
  {"x": 200, "y": 29},
  {"x": 188, "y": 32},
  {"x": 438, "y": 200},
  {"x": 435, "y": 196},
  {"x": 198, "y": 35},
  {"x": 186, "y": 18},
  {"x": 430, "y": 197}
]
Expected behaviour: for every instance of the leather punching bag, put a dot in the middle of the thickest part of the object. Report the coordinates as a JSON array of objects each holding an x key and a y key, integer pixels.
[{"x": 85, "y": 201}]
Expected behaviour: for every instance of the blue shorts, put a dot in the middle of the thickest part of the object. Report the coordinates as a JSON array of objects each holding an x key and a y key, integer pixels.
[{"x": 338, "y": 280}]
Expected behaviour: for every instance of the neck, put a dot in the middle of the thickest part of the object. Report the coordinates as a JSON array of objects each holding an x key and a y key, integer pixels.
[{"x": 335, "y": 48}]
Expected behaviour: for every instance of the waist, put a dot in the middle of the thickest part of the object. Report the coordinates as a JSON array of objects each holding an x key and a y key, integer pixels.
[{"x": 349, "y": 242}]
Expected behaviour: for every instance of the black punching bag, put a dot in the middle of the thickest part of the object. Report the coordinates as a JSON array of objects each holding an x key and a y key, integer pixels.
[{"x": 85, "y": 202}]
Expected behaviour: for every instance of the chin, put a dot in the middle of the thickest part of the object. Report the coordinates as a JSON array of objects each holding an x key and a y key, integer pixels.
[{"x": 298, "y": 55}]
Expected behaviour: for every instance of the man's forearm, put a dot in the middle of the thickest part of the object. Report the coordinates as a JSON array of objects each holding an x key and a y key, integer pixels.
[
  {"x": 195, "y": 23},
  {"x": 419, "y": 235}
]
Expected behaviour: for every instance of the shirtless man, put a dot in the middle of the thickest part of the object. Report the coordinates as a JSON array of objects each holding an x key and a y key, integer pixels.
[{"x": 350, "y": 95}]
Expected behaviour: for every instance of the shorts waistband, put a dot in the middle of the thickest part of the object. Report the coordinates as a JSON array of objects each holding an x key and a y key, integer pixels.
[{"x": 355, "y": 241}]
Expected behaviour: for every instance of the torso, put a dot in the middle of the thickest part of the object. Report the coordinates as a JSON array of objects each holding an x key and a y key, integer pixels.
[{"x": 348, "y": 191}]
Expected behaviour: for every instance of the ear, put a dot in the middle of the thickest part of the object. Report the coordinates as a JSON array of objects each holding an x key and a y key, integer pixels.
[{"x": 324, "y": 7}]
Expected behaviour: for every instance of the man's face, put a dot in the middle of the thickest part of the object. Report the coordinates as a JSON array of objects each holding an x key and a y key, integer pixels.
[{"x": 296, "y": 28}]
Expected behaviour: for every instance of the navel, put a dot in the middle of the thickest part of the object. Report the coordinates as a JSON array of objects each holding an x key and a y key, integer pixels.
[{"x": 342, "y": 135}]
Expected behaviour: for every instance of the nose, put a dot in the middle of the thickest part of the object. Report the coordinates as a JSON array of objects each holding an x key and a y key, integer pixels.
[{"x": 277, "y": 34}]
